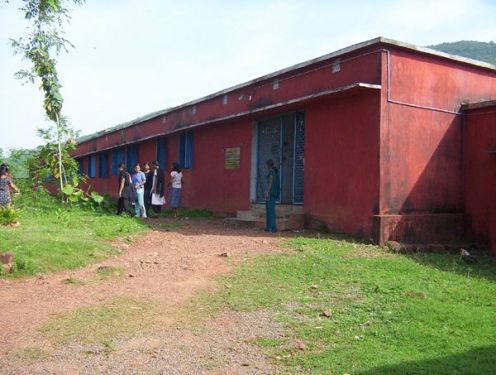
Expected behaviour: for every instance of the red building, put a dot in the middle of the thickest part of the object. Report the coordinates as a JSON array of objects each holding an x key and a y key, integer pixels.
[
  {"x": 479, "y": 167},
  {"x": 370, "y": 140}
]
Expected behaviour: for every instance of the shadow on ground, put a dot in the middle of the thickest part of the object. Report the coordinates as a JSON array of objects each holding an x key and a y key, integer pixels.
[
  {"x": 477, "y": 361},
  {"x": 484, "y": 266}
]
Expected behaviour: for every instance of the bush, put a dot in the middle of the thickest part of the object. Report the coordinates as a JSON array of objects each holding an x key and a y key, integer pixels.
[
  {"x": 8, "y": 215},
  {"x": 23, "y": 265}
]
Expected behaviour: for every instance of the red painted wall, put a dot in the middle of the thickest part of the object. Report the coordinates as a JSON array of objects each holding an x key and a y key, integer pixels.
[
  {"x": 480, "y": 174},
  {"x": 421, "y": 144},
  {"x": 342, "y": 162},
  {"x": 421, "y": 162},
  {"x": 208, "y": 184},
  {"x": 421, "y": 165}
]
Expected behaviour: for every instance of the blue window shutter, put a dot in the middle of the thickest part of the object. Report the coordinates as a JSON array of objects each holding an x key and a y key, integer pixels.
[
  {"x": 181, "y": 149},
  {"x": 92, "y": 166},
  {"x": 186, "y": 150},
  {"x": 80, "y": 167},
  {"x": 115, "y": 162},
  {"x": 132, "y": 156},
  {"x": 162, "y": 152},
  {"x": 189, "y": 150},
  {"x": 103, "y": 164},
  {"x": 118, "y": 157}
]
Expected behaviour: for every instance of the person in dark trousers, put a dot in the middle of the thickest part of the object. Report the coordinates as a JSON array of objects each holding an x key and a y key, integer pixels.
[
  {"x": 271, "y": 196},
  {"x": 125, "y": 190},
  {"x": 148, "y": 187},
  {"x": 157, "y": 189}
]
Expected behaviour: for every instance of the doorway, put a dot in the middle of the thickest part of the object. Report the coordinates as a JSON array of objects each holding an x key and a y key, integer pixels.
[{"x": 282, "y": 139}]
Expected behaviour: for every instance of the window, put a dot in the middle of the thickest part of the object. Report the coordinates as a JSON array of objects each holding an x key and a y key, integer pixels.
[
  {"x": 92, "y": 166},
  {"x": 80, "y": 166},
  {"x": 132, "y": 156},
  {"x": 162, "y": 152},
  {"x": 186, "y": 150},
  {"x": 103, "y": 164},
  {"x": 118, "y": 157}
]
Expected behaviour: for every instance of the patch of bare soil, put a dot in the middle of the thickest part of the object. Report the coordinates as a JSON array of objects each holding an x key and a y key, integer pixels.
[{"x": 168, "y": 266}]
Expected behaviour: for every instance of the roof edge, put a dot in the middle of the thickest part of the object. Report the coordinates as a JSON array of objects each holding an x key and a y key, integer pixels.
[
  {"x": 337, "y": 53},
  {"x": 350, "y": 87},
  {"x": 478, "y": 105}
]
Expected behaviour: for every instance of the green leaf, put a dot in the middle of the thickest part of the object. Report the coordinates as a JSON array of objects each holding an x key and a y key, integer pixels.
[
  {"x": 97, "y": 198},
  {"x": 68, "y": 189}
]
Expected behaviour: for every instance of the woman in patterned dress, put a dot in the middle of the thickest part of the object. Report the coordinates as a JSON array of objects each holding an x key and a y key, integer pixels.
[
  {"x": 176, "y": 185},
  {"x": 5, "y": 185}
]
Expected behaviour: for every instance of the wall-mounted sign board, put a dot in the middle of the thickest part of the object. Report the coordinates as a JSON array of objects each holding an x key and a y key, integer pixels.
[{"x": 232, "y": 157}]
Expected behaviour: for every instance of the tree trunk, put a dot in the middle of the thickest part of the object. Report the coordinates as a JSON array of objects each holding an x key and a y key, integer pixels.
[{"x": 59, "y": 155}]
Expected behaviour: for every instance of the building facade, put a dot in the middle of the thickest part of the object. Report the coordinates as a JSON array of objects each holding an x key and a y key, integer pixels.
[{"x": 369, "y": 140}]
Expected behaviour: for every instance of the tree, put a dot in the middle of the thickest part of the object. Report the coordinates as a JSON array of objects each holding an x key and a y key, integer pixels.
[{"x": 44, "y": 41}]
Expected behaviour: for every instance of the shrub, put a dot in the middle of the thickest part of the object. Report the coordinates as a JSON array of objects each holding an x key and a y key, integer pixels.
[{"x": 8, "y": 215}]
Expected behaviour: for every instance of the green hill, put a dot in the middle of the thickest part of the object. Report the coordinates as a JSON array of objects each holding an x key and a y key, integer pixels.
[{"x": 468, "y": 48}]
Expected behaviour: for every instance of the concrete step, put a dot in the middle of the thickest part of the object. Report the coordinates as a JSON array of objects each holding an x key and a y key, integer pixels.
[
  {"x": 282, "y": 210},
  {"x": 249, "y": 215},
  {"x": 295, "y": 221}
]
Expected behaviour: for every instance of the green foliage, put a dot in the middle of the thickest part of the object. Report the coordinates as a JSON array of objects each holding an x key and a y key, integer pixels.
[
  {"x": 18, "y": 161},
  {"x": 467, "y": 48},
  {"x": 8, "y": 215},
  {"x": 55, "y": 236},
  {"x": 42, "y": 42},
  {"x": 81, "y": 198},
  {"x": 44, "y": 164},
  {"x": 386, "y": 313}
]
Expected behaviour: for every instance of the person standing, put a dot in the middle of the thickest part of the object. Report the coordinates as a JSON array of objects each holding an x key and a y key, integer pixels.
[
  {"x": 125, "y": 190},
  {"x": 5, "y": 185},
  {"x": 176, "y": 185},
  {"x": 271, "y": 196},
  {"x": 157, "y": 190},
  {"x": 139, "y": 181},
  {"x": 148, "y": 187}
]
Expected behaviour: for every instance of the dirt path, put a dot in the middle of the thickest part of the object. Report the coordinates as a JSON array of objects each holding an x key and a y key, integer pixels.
[{"x": 166, "y": 265}]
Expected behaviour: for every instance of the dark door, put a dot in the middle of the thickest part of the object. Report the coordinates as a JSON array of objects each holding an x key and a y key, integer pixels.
[{"x": 282, "y": 139}]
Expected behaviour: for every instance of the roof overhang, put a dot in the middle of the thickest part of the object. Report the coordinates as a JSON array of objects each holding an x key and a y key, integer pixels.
[
  {"x": 358, "y": 88},
  {"x": 478, "y": 105},
  {"x": 350, "y": 49}
]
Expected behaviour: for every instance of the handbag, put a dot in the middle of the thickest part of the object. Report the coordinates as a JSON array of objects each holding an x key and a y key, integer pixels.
[{"x": 157, "y": 200}]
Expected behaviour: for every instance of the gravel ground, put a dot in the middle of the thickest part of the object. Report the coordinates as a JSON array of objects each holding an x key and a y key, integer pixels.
[
  {"x": 168, "y": 266},
  {"x": 223, "y": 345}
]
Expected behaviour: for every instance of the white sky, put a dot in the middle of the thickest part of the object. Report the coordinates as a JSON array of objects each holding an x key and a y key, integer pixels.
[{"x": 133, "y": 57}]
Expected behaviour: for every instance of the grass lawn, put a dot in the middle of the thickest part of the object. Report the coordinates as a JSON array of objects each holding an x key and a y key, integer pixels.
[
  {"x": 354, "y": 308},
  {"x": 52, "y": 238}
]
